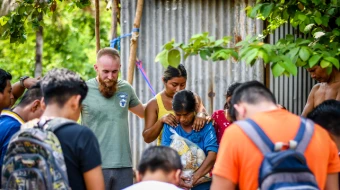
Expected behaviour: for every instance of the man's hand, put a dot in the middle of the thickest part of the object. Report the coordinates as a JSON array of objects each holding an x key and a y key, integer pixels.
[{"x": 170, "y": 120}]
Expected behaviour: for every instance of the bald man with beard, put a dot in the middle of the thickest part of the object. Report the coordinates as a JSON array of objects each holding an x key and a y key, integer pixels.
[
  {"x": 105, "y": 111},
  {"x": 328, "y": 88}
]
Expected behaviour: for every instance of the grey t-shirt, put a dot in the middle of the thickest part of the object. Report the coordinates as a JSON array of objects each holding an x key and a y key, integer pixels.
[{"x": 108, "y": 119}]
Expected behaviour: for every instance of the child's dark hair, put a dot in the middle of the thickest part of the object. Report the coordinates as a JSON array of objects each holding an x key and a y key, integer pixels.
[
  {"x": 184, "y": 100},
  {"x": 327, "y": 115},
  {"x": 172, "y": 72},
  {"x": 230, "y": 92},
  {"x": 159, "y": 158}
]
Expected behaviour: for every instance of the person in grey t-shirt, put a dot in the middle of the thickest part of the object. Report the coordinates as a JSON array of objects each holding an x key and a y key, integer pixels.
[{"x": 105, "y": 112}]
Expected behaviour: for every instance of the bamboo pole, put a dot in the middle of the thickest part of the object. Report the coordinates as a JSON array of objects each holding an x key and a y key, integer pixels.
[
  {"x": 134, "y": 42},
  {"x": 96, "y": 2},
  {"x": 114, "y": 19}
]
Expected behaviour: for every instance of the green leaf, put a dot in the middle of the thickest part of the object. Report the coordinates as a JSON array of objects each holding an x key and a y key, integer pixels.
[
  {"x": 162, "y": 58},
  {"x": 329, "y": 70},
  {"x": 314, "y": 60},
  {"x": 251, "y": 55},
  {"x": 219, "y": 42},
  {"x": 21, "y": 10},
  {"x": 337, "y": 21},
  {"x": 277, "y": 70},
  {"x": 293, "y": 52},
  {"x": 333, "y": 60},
  {"x": 288, "y": 65},
  {"x": 324, "y": 63},
  {"x": 266, "y": 9},
  {"x": 174, "y": 58},
  {"x": 318, "y": 20},
  {"x": 302, "y": 17},
  {"x": 300, "y": 63},
  {"x": 303, "y": 42},
  {"x": 3, "y": 20},
  {"x": 263, "y": 54},
  {"x": 204, "y": 54},
  {"x": 304, "y": 53},
  {"x": 289, "y": 37},
  {"x": 254, "y": 10},
  {"x": 169, "y": 45}
]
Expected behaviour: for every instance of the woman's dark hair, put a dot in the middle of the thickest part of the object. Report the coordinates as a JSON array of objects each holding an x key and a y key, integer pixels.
[
  {"x": 230, "y": 92},
  {"x": 184, "y": 100},
  {"x": 172, "y": 72}
]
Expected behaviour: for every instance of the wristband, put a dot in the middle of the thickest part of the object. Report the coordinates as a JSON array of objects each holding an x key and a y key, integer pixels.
[{"x": 22, "y": 79}]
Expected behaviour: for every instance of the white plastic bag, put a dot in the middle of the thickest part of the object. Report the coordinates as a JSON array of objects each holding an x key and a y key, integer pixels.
[{"x": 192, "y": 156}]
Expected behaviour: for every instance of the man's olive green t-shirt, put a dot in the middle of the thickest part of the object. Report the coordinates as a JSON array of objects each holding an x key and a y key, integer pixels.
[{"x": 108, "y": 119}]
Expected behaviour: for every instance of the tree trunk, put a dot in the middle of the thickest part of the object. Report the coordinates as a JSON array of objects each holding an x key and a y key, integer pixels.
[
  {"x": 114, "y": 19},
  {"x": 96, "y": 2},
  {"x": 39, "y": 50},
  {"x": 134, "y": 42}
]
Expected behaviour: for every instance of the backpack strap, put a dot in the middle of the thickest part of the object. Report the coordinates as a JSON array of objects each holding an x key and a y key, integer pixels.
[
  {"x": 56, "y": 123},
  {"x": 257, "y": 135},
  {"x": 304, "y": 135}
]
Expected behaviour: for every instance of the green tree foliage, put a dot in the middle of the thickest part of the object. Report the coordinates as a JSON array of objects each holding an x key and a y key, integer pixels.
[
  {"x": 69, "y": 42},
  {"x": 317, "y": 20}
]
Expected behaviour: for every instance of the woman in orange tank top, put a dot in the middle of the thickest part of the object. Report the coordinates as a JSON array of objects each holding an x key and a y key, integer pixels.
[{"x": 159, "y": 109}]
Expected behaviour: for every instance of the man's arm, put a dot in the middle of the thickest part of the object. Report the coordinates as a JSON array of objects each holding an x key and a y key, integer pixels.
[
  {"x": 138, "y": 110},
  {"x": 310, "y": 101},
  {"x": 94, "y": 179},
  {"x": 332, "y": 182},
  {"x": 18, "y": 90},
  {"x": 221, "y": 183}
]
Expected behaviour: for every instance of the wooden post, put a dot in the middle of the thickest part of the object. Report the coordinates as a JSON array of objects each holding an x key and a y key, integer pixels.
[
  {"x": 114, "y": 19},
  {"x": 96, "y": 2},
  {"x": 134, "y": 42}
]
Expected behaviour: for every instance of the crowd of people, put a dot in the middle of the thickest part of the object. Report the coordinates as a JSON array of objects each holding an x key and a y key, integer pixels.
[{"x": 251, "y": 143}]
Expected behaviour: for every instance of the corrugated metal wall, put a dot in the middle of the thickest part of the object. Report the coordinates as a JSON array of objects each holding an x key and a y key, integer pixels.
[
  {"x": 292, "y": 92},
  {"x": 180, "y": 19}
]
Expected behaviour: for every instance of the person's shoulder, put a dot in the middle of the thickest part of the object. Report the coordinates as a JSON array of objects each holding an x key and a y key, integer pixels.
[
  {"x": 218, "y": 112},
  {"x": 208, "y": 126},
  {"x": 91, "y": 81},
  {"x": 152, "y": 104},
  {"x": 152, "y": 185},
  {"x": 316, "y": 86},
  {"x": 122, "y": 82},
  {"x": 78, "y": 129}
]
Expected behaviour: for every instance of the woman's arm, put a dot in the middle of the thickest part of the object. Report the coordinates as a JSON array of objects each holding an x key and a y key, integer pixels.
[
  {"x": 205, "y": 168},
  {"x": 153, "y": 126},
  {"x": 202, "y": 117}
]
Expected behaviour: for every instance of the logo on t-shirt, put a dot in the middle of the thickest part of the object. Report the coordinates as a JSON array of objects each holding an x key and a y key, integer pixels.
[{"x": 123, "y": 99}]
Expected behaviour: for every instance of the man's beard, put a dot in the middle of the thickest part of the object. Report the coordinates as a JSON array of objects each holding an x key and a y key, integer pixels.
[{"x": 107, "y": 87}]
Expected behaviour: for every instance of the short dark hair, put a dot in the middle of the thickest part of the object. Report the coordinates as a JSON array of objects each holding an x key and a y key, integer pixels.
[
  {"x": 230, "y": 92},
  {"x": 252, "y": 92},
  {"x": 159, "y": 157},
  {"x": 32, "y": 94},
  {"x": 4, "y": 77},
  {"x": 327, "y": 115},
  {"x": 60, "y": 84},
  {"x": 172, "y": 72},
  {"x": 184, "y": 100}
]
